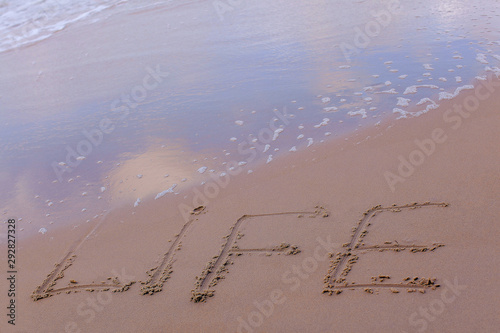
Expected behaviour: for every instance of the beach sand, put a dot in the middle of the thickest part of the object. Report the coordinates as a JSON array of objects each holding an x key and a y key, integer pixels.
[{"x": 322, "y": 201}]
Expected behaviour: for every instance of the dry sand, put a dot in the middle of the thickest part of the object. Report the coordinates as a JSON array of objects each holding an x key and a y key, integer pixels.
[{"x": 266, "y": 286}]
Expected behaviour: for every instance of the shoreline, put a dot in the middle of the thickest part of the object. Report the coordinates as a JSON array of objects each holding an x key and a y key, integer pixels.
[{"x": 344, "y": 141}]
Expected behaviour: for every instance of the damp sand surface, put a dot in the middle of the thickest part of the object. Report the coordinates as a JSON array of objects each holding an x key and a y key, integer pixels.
[
  {"x": 132, "y": 102},
  {"x": 319, "y": 234}
]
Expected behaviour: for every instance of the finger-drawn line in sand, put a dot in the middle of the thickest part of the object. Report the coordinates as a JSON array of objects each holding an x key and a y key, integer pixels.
[
  {"x": 158, "y": 275},
  {"x": 161, "y": 273},
  {"x": 216, "y": 268},
  {"x": 46, "y": 288},
  {"x": 335, "y": 279}
]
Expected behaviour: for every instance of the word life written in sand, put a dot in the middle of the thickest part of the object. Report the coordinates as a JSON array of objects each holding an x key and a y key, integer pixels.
[{"x": 335, "y": 279}]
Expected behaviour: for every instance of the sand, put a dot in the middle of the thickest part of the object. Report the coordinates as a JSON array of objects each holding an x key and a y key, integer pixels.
[{"x": 331, "y": 239}]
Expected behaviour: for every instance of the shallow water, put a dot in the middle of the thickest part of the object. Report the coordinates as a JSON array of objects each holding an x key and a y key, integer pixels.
[{"x": 268, "y": 76}]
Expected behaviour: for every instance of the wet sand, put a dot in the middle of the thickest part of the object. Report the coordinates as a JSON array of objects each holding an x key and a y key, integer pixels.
[
  {"x": 316, "y": 241},
  {"x": 63, "y": 163}
]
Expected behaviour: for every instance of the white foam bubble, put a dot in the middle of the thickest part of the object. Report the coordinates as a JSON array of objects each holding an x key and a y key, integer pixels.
[
  {"x": 447, "y": 95},
  {"x": 325, "y": 99},
  {"x": 170, "y": 190},
  {"x": 330, "y": 109},
  {"x": 413, "y": 89},
  {"x": 405, "y": 114},
  {"x": 400, "y": 111},
  {"x": 428, "y": 67},
  {"x": 481, "y": 57},
  {"x": 310, "y": 141},
  {"x": 404, "y": 76},
  {"x": 239, "y": 122},
  {"x": 43, "y": 231},
  {"x": 403, "y": 101},
  {"x": 458, "y": 79},
  {"x": 277, "y": 133},
  {"x": 390, "y": 91},
  {"x": 323, "y": 123},
  {"x": 266, "y": 148},
  {"x": 293, "y": 149},
  {"x": 425, "y": 100},
  {"x": 344, "y": 66},
  {"x": 361, "y": 112},
  {"x": 495, "y": 70},
  {"x": 269, "y": 159},
  {"x": 137, "y": 202},
  {"x": 202, "y": 169}
]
